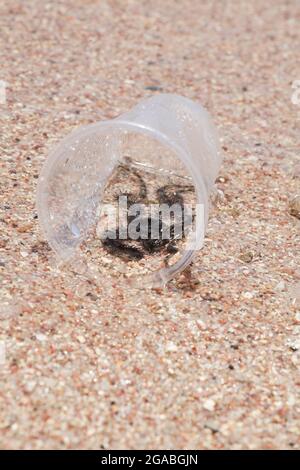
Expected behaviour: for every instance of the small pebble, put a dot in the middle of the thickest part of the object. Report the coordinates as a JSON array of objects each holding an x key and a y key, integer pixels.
[
  {"x": 246, "y": 257},
  {"x": 294, "y": 345},
  {"x": 41, "y": 337},
  {"x": 171, "y": 347},
  {"x": 154, "y": 88},
  {"x": 295, "y": 207},
  {"x": 30, "y": 386},
  {"x": 280, "y": 285},
  {"x": 209, "y": 405},
  {"x": 248, "y": 295},
  {"x": 212, "y": 425}
]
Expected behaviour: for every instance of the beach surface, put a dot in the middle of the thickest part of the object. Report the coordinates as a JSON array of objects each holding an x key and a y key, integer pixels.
[{"x": 212, "y": 361}]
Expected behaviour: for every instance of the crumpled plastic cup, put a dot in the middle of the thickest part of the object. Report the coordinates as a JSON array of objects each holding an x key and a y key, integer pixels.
[{"x": 166, "y": 132}]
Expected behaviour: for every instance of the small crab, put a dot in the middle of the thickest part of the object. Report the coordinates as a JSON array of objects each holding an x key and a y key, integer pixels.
[{"x": 136, "y": 249}]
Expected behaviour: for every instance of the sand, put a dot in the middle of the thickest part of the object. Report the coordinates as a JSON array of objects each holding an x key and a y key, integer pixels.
[{"x": 212, "y": 361}]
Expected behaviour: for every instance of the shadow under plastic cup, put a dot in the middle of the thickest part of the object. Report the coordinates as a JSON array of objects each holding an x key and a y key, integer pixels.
[{"x": 165, "y": 134}]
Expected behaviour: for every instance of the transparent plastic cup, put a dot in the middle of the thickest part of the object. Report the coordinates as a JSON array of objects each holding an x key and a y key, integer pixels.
[{"x": 164, "y": 136}]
